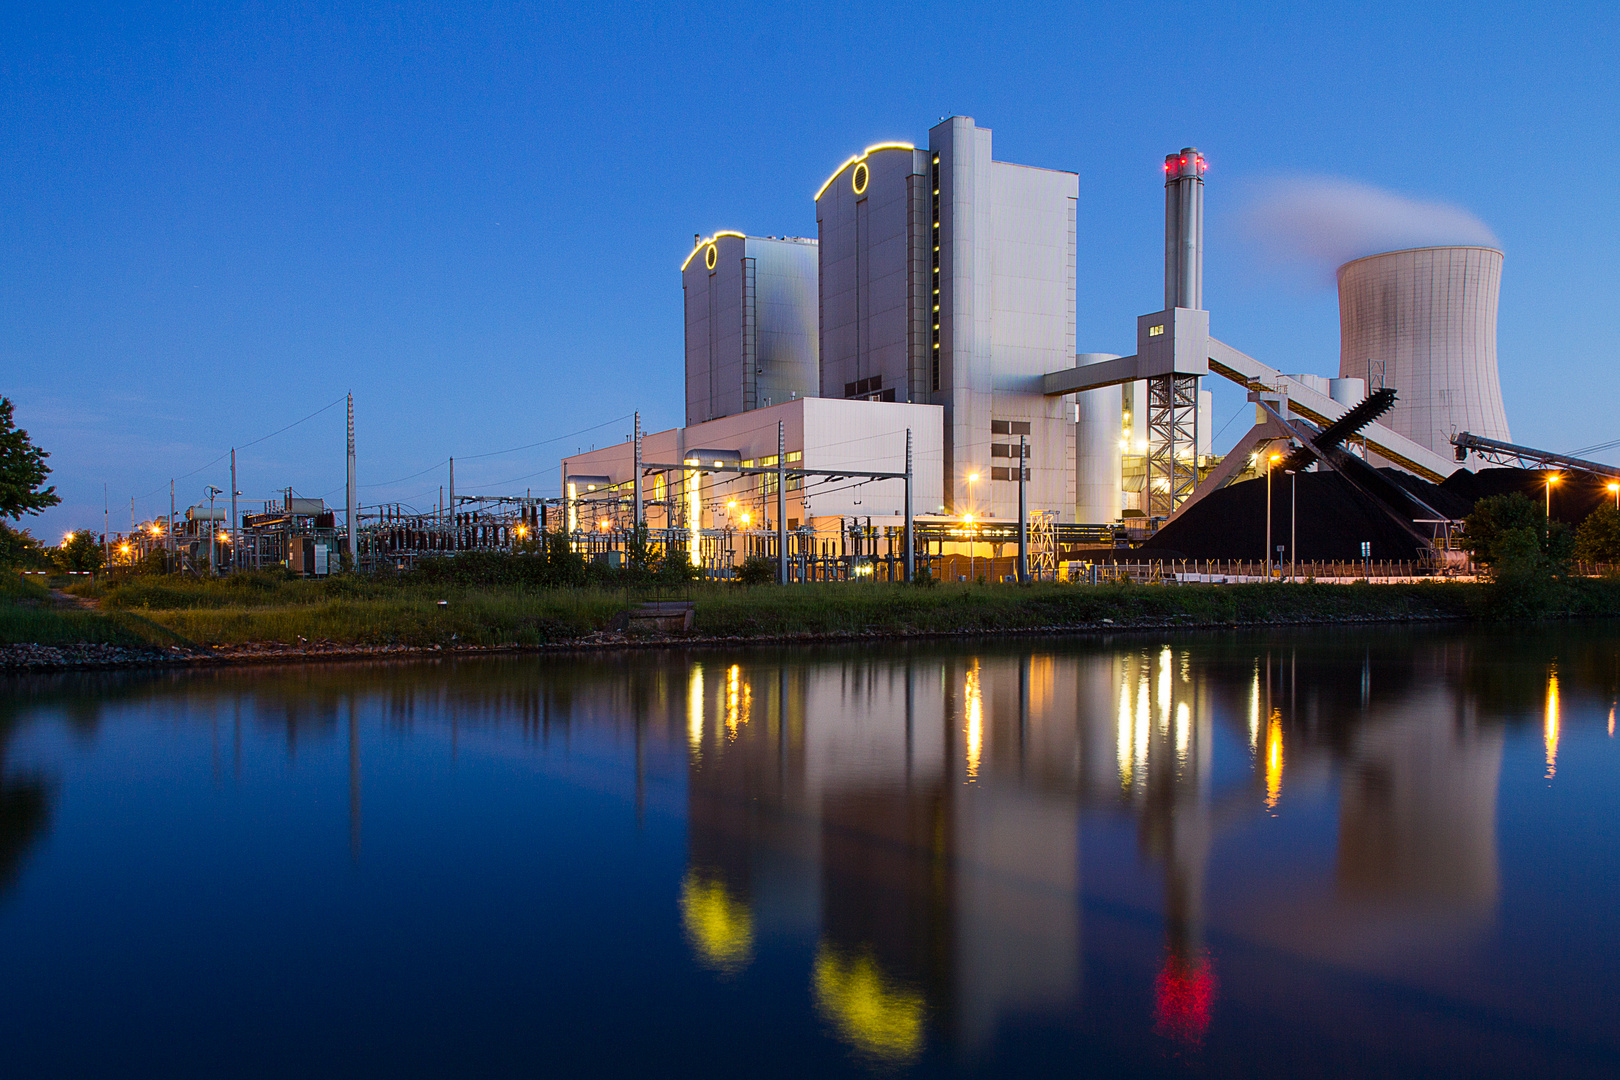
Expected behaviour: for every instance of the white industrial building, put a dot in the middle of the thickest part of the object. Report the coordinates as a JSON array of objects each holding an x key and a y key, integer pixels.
[
  {"x": 751, "y": 337},
  {"x": 938, "y": 298},
  {"x": 691, "y": 480},
  {"x": 948, "y": 277}
]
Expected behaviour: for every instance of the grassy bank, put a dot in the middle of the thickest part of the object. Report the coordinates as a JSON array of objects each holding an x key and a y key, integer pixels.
[
  {"x": 29, "y": 613},
  {"x": 350, "y": 611}
]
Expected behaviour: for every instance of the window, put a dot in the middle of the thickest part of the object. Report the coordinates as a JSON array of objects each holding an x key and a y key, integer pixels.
[
  {"x": 1156, "y": 331},
  {"x": 868, "y": 389},
  {"x": 1007, "y": 474},
  {"x": 1009, "y": 427}
]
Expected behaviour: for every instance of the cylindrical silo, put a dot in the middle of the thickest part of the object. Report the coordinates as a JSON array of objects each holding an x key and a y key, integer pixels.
[
  {"x": 1097, "y": 435},
  {"x": 1427, "y": 317},
  {"x": 1347, "y": 391}
]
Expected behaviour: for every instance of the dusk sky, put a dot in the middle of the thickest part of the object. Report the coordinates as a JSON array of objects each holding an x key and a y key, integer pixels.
[{"x": 219, "y": 218}]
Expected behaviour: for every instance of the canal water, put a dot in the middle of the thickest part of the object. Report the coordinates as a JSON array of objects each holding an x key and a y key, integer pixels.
[{"x": 1389, "y": 852}]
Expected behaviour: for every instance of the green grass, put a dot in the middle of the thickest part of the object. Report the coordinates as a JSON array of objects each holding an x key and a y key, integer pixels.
[
  {"x": 354, "y": 611},
  {"x": 28, "y": 614}
]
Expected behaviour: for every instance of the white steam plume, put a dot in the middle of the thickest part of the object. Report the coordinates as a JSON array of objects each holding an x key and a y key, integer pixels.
[{"x": 1324, "y": 222}]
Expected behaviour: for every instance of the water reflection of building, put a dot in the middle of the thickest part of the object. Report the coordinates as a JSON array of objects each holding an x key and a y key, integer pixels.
[{"x": 919, "y": 819}]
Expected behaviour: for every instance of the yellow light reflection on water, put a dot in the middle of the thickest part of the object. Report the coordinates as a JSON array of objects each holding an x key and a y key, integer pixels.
[
  {"x": 1254, "y": 710},
  {"x": 719, "y": 925},
  {"x": 872, "y": 1012},
  {"x": 694, "y": 708},
  {"x": 1274, "y": 760},
  {"x": 739, "y": 701},
  {"x": 974, "y": 701},
  {"x": 1164, "y": 689},
  {"x": 1126, "y": 730},
  {"x": 1550, "y": 732},
  {"x": 1183, "y": 731},
  {"x": 1144, "y": 723}
]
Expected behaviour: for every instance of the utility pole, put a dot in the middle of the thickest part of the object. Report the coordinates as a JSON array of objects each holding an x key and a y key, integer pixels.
[
  {"x": 450, "y": 508},
  {"x": 168, "y": 532},
  {"x": 106, "y": 522},
  {"x": 636, "y": 523},
  {"x": 352, "y": 504},
  {"x": 1269, "y": 471},
  {"x": 781, "y": 503},
  {"x": 1293, "y": 526},
  {"x": 1023, "y": 512},
  {"x": 235, "y": 539},
  {"x": 911, "y": 547}
]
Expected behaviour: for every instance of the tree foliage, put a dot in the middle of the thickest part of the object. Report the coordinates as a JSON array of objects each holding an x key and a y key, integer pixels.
[
  {"x": 22, "y": 470},
  {"x": 81, "y": 551},
  {"x": 1598, "y": 538},
  {"x": 20, "y": 550},
  {"x": 1526, "y": 559}
]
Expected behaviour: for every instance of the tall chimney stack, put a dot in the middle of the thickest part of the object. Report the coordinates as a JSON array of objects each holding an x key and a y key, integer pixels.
[{"x": 1184, "y": 229}]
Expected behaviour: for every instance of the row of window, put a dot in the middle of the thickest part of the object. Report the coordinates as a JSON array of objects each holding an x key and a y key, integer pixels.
[
  {"x": 1009, "y": 427},
  {"x": 1007, "y": 450},
  {"x": 934, "y": 338},
  {"x": 1007, "y": 474}
]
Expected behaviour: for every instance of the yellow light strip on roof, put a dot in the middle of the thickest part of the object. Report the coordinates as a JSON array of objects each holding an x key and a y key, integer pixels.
[
  {"x": 859, "y": 158},
  {"x": 707, "y": 240}
]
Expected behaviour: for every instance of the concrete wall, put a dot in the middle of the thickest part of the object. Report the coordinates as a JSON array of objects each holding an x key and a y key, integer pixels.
[
  {"x": 1007, "y": 311},
  {"x": 872, "y": 275},
  {"x": 751, "y": 335},
  {"x": 1430, "y": 315}
]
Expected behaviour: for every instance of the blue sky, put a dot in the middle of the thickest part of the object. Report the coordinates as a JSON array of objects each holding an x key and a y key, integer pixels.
[{"x": 216, "y": 219}]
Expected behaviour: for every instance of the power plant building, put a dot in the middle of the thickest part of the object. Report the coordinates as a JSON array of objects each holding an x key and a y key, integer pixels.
[
  {"x": 751, "y": 337},
  {"x": 948, "y": 278},
  {"x": 1424, "y": 321}
]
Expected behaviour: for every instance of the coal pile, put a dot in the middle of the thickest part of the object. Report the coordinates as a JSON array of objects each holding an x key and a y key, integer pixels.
[{"x": 1334, "y": 519}]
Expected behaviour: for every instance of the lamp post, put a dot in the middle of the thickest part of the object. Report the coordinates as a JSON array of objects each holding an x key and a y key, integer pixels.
[
  {"x": 1270, "y": 464},
  {"x": 967, "y": 519},
  {"x": 1552, "y": 478},
  {"x": 213, "y": 493},
  {"x": 973, "y": 478},
  {"x": 1614, "y": 489},
  {"x": 1293, "y": 524}
]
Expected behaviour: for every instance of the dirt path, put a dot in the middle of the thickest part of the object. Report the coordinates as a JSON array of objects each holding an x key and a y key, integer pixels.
[{"x": 68, "y": 600}]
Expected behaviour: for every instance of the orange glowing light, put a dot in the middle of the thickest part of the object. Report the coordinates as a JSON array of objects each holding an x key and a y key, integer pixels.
[
  {"x": 1550, "y": 731},
  {"x": 603, "y": 524},
  {"x": 1274, "y": 760}
]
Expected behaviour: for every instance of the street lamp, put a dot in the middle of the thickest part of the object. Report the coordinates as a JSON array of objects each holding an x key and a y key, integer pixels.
[
  {"x": 1269, "y": 466},
  {"x": 1552, "y": 478},
  {"x": 1614, "y": 489}
]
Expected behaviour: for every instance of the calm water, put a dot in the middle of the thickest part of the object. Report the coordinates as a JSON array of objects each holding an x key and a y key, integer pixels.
[{"x": 1388, "y": 853}]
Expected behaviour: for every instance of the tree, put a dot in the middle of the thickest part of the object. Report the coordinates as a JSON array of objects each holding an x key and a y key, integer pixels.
[
  {"x": 22, "y": 470},
  {"x": 1526, "y": 560},
  {"x": 1488, "y": 527},
  {"x": 1598, "y": 538},
  {"x": 80, "y": 551},
  {"x": 19, "y": 548}
]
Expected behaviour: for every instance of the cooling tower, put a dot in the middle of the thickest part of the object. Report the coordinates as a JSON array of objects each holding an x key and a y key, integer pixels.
[{"x": 1428, "y": 315}]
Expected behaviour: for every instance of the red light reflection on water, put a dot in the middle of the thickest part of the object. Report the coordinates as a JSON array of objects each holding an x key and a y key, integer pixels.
[{"x": 1183, "y": 992}]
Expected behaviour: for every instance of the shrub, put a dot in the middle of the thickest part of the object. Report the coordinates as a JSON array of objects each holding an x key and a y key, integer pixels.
[
  {"x": 1598, "y": 538},
  {"x": 757, "y": 570}
]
